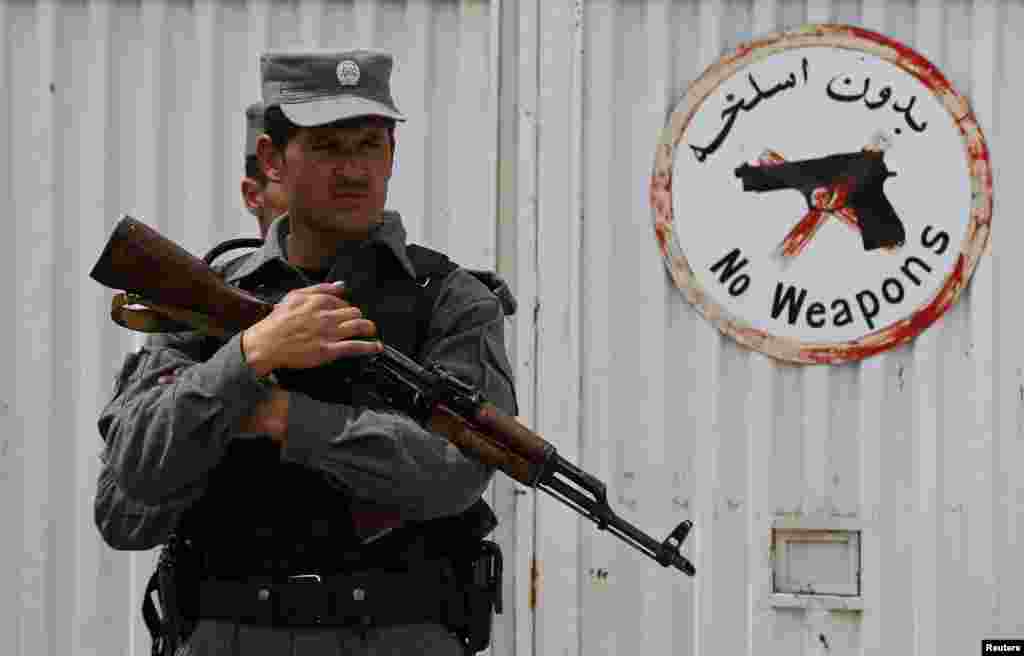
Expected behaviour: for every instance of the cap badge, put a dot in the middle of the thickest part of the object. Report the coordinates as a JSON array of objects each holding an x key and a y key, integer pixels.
[{"x": 348, "y": 73}]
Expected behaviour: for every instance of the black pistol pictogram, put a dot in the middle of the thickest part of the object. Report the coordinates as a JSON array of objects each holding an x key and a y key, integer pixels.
[{"x": 845, "y": 185}]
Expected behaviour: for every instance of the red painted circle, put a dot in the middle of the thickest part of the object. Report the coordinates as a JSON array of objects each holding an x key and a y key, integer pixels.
[{"x": 897, "y": 332}]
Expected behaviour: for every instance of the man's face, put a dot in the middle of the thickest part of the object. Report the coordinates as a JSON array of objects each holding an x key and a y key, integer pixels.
[
  {"x": 265, "y": 199},
  {"x": 337, "y": 177},
  {"x": 275, "y": 201}
]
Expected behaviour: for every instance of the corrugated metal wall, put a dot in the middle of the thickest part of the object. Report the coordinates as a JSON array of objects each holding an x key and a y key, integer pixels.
[{"x": 531, "y": 139}]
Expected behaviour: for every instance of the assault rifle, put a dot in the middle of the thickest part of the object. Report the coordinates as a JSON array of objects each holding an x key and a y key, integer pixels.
[{"x": 167, "y": 289}]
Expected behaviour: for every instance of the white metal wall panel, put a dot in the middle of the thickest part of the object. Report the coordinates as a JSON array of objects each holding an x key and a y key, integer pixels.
[
  {"x": 917, "y": 447},
  {"x": 529, "y": 147},
  {"x": 517, "y": 256}
]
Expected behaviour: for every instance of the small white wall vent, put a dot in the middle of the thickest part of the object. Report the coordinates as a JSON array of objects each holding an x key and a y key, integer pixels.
[{"x": 816, "y": 562}]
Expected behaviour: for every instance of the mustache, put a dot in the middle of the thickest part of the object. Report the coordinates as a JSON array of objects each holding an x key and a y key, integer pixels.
[{"x": 352, "y": 188}]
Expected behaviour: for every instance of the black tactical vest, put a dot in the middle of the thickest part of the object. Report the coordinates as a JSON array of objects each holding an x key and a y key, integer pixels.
[{"x": 260, "y": 516}]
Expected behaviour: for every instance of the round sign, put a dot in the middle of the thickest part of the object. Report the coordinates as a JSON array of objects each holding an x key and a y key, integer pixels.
[{"x": 822, "y": 195}]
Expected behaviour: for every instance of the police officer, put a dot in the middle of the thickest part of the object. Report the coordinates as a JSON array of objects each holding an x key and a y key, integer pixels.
[
  {"x": 262, "y": 197},
  {"x": 309, "y": 516}
]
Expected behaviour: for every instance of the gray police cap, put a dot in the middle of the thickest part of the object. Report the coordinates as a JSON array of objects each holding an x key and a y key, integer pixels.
[
  {"x": 254, "y": 127},
  {"x": 320, "y": 87}
]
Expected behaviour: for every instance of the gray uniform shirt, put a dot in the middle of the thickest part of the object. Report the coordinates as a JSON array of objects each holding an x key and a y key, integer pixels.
[{"x": 162, "y": 440}]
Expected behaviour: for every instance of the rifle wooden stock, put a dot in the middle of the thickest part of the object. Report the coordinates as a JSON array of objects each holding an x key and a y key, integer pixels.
[
  {"x": 513, "y": 434},
  {"x": 484, "y": 448},
  {"x": 139, "y": 260}
]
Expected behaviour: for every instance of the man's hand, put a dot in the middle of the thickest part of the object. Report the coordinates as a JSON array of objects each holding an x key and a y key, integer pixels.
[
  {"x": 270, "y": 417},
  {"x": 168, "y": 378},
  {"x": 309, "y": 327}
]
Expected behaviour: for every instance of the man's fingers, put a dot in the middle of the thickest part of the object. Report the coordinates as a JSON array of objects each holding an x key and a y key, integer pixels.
[
  {"x": 341, "y": 315},
  {"x": 356, "y": 328},
  {"x": 168, "y": 378},
  {"x": 353, "y": 339},
  {"x": 316, "y": 301},
  {"x": 353, "y": 347}
]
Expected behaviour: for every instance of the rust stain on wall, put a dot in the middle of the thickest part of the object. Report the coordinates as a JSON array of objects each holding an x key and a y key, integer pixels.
[{"x": 534, "y": 582}]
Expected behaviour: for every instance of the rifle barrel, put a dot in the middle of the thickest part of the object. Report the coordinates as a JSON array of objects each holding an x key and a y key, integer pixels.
[{"x": 595, "y": 508}]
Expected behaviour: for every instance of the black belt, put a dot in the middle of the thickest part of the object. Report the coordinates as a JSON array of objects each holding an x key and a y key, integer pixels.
[{"x": 369, "y": 598}]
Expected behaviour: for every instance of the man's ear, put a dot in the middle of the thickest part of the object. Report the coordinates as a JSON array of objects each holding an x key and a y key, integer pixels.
[
  {"x": 252, "y": 194},
  {"x": 394, "y": 148},
  {"x": 271, "y": 159}
]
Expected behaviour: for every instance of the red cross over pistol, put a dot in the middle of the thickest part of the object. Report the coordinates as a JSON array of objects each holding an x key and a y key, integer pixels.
[{"x": 847, "y": 186}]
